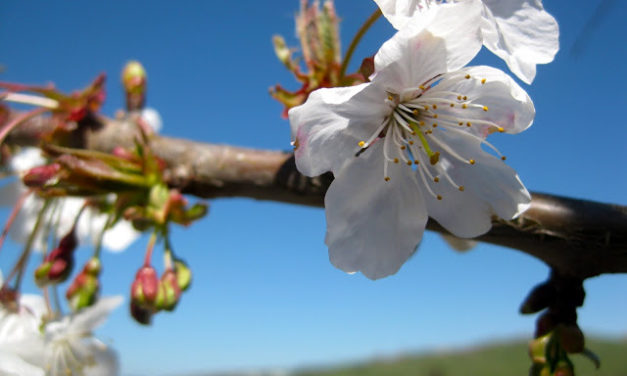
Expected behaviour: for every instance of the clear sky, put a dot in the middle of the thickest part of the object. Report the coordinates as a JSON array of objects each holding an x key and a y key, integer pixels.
[{"x": 264, "y": 293}]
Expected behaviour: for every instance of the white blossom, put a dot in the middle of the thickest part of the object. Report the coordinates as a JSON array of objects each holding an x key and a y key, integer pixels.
[
  {"x": 520, "y": 32},
  {"x": 409, "y": 144}
]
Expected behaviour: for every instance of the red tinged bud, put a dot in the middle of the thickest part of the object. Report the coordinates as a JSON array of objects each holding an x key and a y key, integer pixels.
[
  {"x": 58, "y": 264},
  {"x": 83, "y": 291},
  {"x": 41, "y": 176},
  {"x": 145, "y": 287},
  {"x": 171, "y": 290}
]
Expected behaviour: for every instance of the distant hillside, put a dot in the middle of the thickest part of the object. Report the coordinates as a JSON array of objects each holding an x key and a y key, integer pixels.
[{"x": 494, "y": 360}]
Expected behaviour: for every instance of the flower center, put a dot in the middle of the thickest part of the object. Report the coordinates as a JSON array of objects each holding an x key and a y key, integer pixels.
[{"x": 413, "y": 132}]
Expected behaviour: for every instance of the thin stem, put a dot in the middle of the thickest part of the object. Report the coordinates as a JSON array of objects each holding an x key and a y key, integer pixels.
[
  {"x": 16, "y": 210},
  {"x": 356, "y": 39},
  {"x": 150, "y": 248},
  {"x": 98, "y": 246},
  {"x": 4, "y": 131},
  {"x": 21, "y": 263}
]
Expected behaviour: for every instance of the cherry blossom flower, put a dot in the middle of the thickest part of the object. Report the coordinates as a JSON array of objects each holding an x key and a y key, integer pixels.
[
  {"x": 62, "y": 214},
  {"x": 69, "y": 345},
  {"x": 410, "y": 143},
  {"x": 62, "y": 347},
  {"x": 20, "y": 336},
  {"x": 520, "y": 32}
]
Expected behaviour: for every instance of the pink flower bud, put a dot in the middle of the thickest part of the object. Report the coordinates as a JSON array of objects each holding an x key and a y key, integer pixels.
[
  {"x": 58, "y": 264},
  {"x": 40, "y": 176},
  {"x": 145, "y": 287}
]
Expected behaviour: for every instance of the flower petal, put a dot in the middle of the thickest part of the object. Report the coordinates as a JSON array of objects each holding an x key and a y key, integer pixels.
[
  {"x": 490, "y": 187},
  {"x": 436, "y": 41},
  {"x": 522, "y": 33},
  {"x": 327, "y": 128},
  {"x": 373, "y": 226},
  {"x": 508, "y": 105},
  {"x": 13, "y": 365},
  {"x": 86, "y": 320}
]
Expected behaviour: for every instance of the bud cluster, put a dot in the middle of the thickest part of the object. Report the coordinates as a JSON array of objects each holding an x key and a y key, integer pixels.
[{"x": 151, "y": 294}]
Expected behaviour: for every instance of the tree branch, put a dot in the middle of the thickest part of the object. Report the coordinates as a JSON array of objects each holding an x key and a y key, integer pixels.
[{"x": 576, "y": 238}]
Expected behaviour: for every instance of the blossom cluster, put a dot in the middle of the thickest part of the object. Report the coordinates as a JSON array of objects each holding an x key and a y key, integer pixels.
[{"x": 410, "y": 143}]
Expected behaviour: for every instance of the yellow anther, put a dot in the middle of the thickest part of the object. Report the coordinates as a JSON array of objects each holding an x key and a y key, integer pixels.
[
  {"x": 416, "y": 162},
  {"x": 435, "y": 116},
  {"x": 461, "y": 188},
  {"x": 426, "y": 106},
  {"x": 409, "y": 163},
  {"x": 395, "y": 160},
  {"x": 415, "y": 112},
  {"x": 361, "y": 144},
  {"x": 403, "y": 147},
  {"x": 413, "y": 133},
  {"x": 421, "y": 123},
  {"x": 429, "y": 131},
  {"x": 421, "y": 87},
  {"x": 410, "y": 142},
  {"x": 485, "y": 108},
  {"x": 436, "y": 179},
  {"x": 435, "y": 125},
  {"x": 468, "y": 124},
  {"x": 460, "y": 123},
  {"x": 467, "y": 76},
  {"x": 452, "y": 104},
  {"x": 472, "y": 161},
  {"x": 390, "y": 97},
  {"x": 434, "y": 158},
  {"x": 483, "y": 81},
  {"x": 459, "y": 97},
  {"x": 503, "y": 158},
  {"x": 439, "y": 197},
  {"x": 387, "y": 178},
  {"x": 464, "y": 105},
  {"x": 435, "y": 106},
  {"x": 501, "y": 129},
  {"x": 465, "y": 97}
]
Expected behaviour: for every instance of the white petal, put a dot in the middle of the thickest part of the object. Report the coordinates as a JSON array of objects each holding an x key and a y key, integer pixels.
[
  {"x": 106, "y": 360},
  {"x": 509, "y": 105},
  {"x": 120, "y": 236},
  {"x": 90, "y": 318},
  {"x": 152, "y": 118},
  {"x": 442, "y": 39},
  {"x": 117, "y": 238},
  {"x": 491, "y": 187},
  {"x": 13, "y": 365},
  {"x": 399, "y": 12},
  {"x": 327, "y": 128},
  {"x": 373, "y": 226},
  {"x": 522, "y": 33},
  {"x": 26, "y": 159}
]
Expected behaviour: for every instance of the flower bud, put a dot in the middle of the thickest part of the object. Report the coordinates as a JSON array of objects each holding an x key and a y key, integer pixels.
[
  {"x": 538, "y": 347},
  {"x": 134, "y": 82},
  {"x": 183, "y": 274},
  {"x": 9, "y": 298},
  {"x": 145, "y": 287},
  {"x": 58, "y": 264},
  {"x": 84, "y": 289},
  {"x": 171, "y": 290},
  {"x": 41, "y": 176}
]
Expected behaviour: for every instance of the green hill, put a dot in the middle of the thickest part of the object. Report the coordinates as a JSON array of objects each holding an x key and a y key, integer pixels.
[{"x": 492, "y": 360}]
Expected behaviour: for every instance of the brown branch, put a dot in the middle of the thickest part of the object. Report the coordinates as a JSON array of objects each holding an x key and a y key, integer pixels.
[{"x": 577, "y": 238}]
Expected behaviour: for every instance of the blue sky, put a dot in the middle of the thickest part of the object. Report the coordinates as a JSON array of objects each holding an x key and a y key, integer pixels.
[{"x": 264, "y": 293}]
